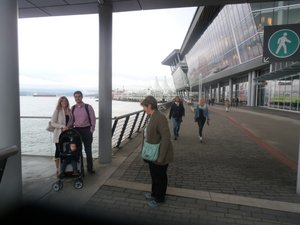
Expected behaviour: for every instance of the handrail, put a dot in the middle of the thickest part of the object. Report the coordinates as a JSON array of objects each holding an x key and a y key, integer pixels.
[
  {"x": 124, "y": 126},
  {"x": 7, "y": 152}
]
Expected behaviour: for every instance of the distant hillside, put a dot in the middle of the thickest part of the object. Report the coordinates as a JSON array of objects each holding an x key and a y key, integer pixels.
[{"x": 58, "y": 92}]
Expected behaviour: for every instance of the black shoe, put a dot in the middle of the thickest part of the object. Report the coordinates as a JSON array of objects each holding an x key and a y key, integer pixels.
[{"x": 91, "y": 171}]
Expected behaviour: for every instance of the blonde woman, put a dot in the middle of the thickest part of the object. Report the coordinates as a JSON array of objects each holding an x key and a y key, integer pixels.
[
  {"x": 61, "y": 120},
  {"x": 201, "y": 116}
]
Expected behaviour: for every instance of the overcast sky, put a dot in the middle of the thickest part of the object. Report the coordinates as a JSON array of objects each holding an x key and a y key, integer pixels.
[{"x": 62, "y": 52}]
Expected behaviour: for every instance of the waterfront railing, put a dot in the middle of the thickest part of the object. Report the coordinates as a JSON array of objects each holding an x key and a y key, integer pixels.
[{"x": 35, "y": 140}]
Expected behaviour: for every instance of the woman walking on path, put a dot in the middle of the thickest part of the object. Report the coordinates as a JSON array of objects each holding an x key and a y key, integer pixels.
[
  {"x": 201, "y": 116},
  {"x": 61, "y": 119},
  {"x": 227, "y": 105},
  {"x": 157, "y": 131}
]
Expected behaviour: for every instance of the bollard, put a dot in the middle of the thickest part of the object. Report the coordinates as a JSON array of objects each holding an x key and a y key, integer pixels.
[{"x": 298, "y": 172}]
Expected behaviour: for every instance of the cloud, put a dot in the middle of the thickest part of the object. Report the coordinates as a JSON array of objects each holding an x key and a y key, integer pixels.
[{"x": 64, "y": 51}]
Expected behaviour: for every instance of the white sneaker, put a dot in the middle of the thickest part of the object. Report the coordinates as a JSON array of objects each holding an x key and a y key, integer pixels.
[{"x": 200, "y": 138}]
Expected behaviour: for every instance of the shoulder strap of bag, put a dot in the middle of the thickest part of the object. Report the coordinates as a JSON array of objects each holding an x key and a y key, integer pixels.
[{"x": 88, "y": 112}]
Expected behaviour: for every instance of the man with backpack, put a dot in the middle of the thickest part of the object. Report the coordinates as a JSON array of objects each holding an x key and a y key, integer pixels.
[{"x": 84, "y": 121}]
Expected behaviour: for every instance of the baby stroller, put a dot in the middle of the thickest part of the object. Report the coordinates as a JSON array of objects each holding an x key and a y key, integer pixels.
[{"x": 66, "y": 139}]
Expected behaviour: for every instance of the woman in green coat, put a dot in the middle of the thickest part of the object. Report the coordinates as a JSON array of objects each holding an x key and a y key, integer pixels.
[{"x": 157, "y": 131}]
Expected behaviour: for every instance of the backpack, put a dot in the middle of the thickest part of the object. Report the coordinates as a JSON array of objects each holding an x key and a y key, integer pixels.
[{"x": 86, "y": 106}]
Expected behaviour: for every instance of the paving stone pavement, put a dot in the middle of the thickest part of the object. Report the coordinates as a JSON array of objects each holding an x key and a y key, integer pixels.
[{"x": 229, "y": 162}]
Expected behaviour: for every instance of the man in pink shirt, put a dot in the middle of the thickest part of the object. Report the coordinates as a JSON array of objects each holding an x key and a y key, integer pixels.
[{"x": 84, "y": 121}]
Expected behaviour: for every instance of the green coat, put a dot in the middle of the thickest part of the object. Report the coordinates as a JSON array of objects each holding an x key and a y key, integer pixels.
[{"x": 157, "y": 131}]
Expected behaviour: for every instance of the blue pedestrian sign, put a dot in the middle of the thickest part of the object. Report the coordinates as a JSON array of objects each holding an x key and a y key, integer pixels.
[{"x": 281, "y": 43}]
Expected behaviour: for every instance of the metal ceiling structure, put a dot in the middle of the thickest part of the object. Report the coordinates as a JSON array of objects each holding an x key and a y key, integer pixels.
[
  {"x": 293, "y": 68},
  {"x": 41, "y": 8}
]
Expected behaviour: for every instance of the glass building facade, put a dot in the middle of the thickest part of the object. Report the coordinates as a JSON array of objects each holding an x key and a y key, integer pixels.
[
  {"x": 234, "y": 39},
  {"x": 283, "y": 92}
]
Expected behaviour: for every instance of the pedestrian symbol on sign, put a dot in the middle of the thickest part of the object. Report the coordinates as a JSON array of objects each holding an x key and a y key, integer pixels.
[{"x": 283, "y": 43}]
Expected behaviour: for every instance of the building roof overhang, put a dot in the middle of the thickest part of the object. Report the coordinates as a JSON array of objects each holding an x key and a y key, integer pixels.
[
  {"x": 41, "y": 8},
  {"x": 293, "y": 68},
  {"x": 171, "y": 57},
  {"x": 44, "y": 8}
]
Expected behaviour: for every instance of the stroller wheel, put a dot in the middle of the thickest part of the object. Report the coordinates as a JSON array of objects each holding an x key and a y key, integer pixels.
[
  {"x": 57, "y": 186},
  {"x": 78, "y": 184}
]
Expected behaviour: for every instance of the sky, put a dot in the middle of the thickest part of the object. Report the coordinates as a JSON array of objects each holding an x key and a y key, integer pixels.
[{"x": 62, "y": 52}]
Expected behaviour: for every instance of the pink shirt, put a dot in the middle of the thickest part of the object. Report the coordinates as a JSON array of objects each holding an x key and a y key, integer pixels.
[{"x": 81, "y": 118}]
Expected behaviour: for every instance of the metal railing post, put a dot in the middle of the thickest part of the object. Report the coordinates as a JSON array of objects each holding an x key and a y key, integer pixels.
[
  {"x": 114, "y": 127},
  {"x": 123, "y": 131},
  {"x": 133, "y": 125},
  {"x": 141, "y": 122}
]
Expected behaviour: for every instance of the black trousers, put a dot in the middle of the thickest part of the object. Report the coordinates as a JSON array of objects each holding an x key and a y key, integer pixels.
[
  {"x": 159, "y": 181},
  {"x": 201, "y": 123},
  {"x": 87, "y": 139}
]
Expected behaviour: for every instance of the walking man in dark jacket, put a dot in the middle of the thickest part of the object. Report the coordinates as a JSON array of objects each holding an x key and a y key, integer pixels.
[{"x": 176, "y": 113}]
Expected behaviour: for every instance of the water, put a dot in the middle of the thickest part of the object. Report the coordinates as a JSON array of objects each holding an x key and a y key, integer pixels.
[
  {"x": 35, "y": 140},
  {"x": 44, "y": 106}
]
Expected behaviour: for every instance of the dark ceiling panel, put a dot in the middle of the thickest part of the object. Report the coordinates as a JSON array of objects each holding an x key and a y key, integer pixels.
[
  {"x": 123, "y": 6},
  {"x": 91, "y": 8},
  {"x": 24, "y": 4},
  {"x": 73, "y": 7},
  {"x": 80, "y": 1},
  {"x": 31, "y": 12},
  {"x": 46, "y": 3},
  {"x": 153, "y": 4}
]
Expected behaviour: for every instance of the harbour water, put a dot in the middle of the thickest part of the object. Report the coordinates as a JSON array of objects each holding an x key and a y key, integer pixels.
[{"x": 35, "y": 140}]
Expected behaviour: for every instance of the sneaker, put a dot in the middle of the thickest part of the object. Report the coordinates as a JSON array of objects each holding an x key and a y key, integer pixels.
[
  {"x": 200, "y": 138},
  {"x": 149, "y": 197},
  {"x": 152, "y": 204}
]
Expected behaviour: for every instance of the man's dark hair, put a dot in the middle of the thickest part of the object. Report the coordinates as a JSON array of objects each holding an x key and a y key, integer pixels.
[
  {"x": 149, "y": 100},
  {"x": 78, "y": 92}
]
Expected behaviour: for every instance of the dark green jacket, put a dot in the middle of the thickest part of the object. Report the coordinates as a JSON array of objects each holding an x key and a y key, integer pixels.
[{"x": 157, "y": 131}]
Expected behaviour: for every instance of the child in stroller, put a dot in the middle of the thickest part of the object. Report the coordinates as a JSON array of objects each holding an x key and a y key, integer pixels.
[
  {"x": 70, "y": 147},
  {"x": 70, "y": 156}
]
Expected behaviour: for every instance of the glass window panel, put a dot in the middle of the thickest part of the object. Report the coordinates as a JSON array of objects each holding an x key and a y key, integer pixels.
[
  {"x": 293, "y": 2},
  {"x": 294, "y": 15},
  {"x": 266, "y": 18},
  {"x": 265, "y": 5},
  {"x": 280, "y": 16},
  {"x": 255, "y": 6}
]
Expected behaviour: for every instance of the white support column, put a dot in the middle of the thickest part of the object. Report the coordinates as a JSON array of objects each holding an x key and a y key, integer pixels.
[
  {"x": 230, "y": 90},
  {"x": 249, "y": 99},
  {"x": 105, "y": 82},
  {"x": 253, "y": 89},
  {"x": 11, "y": 183},
  {"x": 218, "y": 93}
]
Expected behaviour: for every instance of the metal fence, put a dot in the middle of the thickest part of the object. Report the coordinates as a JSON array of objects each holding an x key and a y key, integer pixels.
[{"x": 123, "y": 128}]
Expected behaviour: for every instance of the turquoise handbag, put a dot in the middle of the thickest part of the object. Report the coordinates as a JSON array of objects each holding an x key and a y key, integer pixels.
[{"x": 150, "y": 152}]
